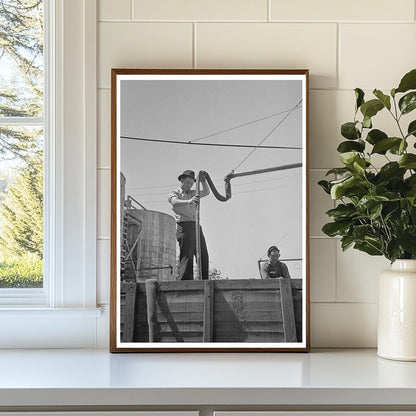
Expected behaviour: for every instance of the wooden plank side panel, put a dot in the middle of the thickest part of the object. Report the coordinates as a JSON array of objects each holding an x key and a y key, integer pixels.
[
  {"x": 287, "y": 310},
  {"x": 249, "y": 304},
  {"x": 247, "y": 284},
  {"x": 251, "y": 326},
  {"x": 249, "y": 337},
  {"x": 251, "y": 316},
  {"x": 297, "y": 306},
  {"x": 248, "y": 310},
  {"x": 151, "y": 301},
  {"x": 296, "y": 283},
  {"x": 127, "y": 316},
  {"x": 181, "y": 286},
  {"x": 197, "y": 316},
  {"x": 209, "y": 289},
  {"x": 242, "y": 310},
  {"x": 142, "y": 326},
  {"x": 182, "y": 327},
  {"x": 188, "y": 336},
  {"x": 180, "y": 311}
]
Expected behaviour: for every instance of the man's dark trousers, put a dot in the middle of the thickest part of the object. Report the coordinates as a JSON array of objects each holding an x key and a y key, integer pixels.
[{"x": 186, "y": 236}]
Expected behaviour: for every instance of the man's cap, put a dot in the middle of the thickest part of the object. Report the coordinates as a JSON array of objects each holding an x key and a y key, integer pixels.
[
  {"x": 187, "y": 174},
  {"x": 270, "y": 249}
]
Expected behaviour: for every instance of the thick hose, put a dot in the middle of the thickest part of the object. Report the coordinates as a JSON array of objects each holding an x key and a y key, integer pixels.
[{"x": 214, "y": 189}]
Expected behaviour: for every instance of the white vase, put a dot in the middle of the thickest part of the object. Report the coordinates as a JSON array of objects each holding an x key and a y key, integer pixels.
[{"x": 397, "y": 312}]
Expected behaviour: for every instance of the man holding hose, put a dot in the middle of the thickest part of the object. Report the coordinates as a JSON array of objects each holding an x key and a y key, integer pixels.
[{"x": 184, "y": 203}]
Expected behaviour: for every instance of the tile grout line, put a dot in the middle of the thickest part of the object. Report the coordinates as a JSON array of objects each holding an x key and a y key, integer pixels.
[
  {"x": 194, "y": 45},
  {"x": 338, "y": 63},
  {"x": 310, "y": 89},
  {"x": 336, "y": 271},
  {"x": 269, "y": 10},
  {"x": 131, "y": 9},
  {"x": 344, "y": 302},
  {"x": 309, "y": 22}
]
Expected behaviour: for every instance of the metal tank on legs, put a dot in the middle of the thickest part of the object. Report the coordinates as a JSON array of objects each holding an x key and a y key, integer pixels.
[{"x": 157, "y": 247}]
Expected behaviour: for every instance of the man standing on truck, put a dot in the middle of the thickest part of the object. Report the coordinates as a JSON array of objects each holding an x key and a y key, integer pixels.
[
  {"x": 184, "y": 203},
  {"x": 273, "y": 267}
]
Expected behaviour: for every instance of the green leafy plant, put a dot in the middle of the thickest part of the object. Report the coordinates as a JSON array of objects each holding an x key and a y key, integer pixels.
[{"x": 376, "y": 209}]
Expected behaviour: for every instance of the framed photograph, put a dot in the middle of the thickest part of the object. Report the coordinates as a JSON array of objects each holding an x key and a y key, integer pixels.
[{"x": 209, "y": 210}]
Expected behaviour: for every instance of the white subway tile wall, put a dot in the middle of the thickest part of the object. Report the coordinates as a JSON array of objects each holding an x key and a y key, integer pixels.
[
  {"x": 352, "y": 10},
  {"x": 200, "y": 10},
  {"x": 345, "y": 44},
  {"x": 270, "y": 45},
  {"x": 114, "y": 10}
]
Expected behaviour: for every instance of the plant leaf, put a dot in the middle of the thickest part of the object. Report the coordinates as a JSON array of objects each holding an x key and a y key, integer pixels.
[
  {"x": 336, "y": 228},
  {"x": 346, "y": 242},
  {"x": 360, "y": 231},
  {"x": 385, "y": 99},
  {"x": 408, "y": 102},
  {"x": 338, "y": 171},
  {"x": 411, "y": 130},
  {"x": 390, "y": 170},
  {"x": 359, "y": 94},
  {"x": 368, "y": 201},
  {"x": 367, "y": 248},
  {"x": 325, "y": 186},
  {"x": 385, "y": 144},
  {"x": 348, "y": 146},
  {"x": 398, "y": 149},
  {"x": 342, "y": 211},
  {"x": 367, "y": 122},
  {"x": 375, "y": 136},
  {"x": 393, "y": 249},
  {"x": 338, "y": 189},
  {"x": 375, "y": 211},
  {"x": 408, "y": 82},
  {"x": 408, "y": 161},
  {"x": 349, "y": 131},
  {"x": 371, "y": 108},
  {"x": 348, "y": 158},
  {"x": 407, "y": 239}
]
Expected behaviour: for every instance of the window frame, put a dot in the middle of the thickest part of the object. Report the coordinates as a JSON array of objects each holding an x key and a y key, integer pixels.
[
  {"x": 35, "y": 296},
  {"x": 70, "y": 186}
]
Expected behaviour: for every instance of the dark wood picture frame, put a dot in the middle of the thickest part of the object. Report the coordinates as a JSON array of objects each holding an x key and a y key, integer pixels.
[{"x": 149, "y": 298}]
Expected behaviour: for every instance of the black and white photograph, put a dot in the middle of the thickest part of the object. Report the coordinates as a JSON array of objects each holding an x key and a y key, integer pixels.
[{"x": 209, "y": 214}]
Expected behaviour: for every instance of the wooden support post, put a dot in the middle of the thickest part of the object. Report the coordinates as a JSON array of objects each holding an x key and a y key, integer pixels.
[
  {"x": 151, "y": 307},
  {"x": 197, "y": 232},
  {"x": 288, "y": 313},
  {"x": 209, "y": 288},
  {"x": 130, "y": 312}
]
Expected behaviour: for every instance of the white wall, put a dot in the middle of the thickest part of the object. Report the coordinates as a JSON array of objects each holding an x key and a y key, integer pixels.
[{"x": 345, "y": 44}]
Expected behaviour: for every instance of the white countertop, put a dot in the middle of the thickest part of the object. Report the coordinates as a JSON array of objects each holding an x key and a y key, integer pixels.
[{"x": 91, "y": 377}]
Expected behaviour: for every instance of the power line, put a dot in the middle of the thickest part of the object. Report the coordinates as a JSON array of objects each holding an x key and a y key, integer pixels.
[
  {"x": 217, "y": 182},
  {"x": 234, "y": 193},
  {"x": 241, "y": 125},
  {"x": 264, "y": 139},
  {"x": 148, "y": 139}
]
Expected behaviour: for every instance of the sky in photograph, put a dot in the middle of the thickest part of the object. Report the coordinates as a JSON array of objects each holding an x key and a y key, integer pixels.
[{"x": 265, "y": 209}]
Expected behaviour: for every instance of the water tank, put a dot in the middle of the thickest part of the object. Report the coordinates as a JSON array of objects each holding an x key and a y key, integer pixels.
[{"x": 156, "y": 249}]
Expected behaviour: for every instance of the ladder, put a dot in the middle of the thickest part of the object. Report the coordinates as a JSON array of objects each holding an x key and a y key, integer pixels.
[
  {"x": 123, "y": 247},
  {"x": 126, "y": 249}
]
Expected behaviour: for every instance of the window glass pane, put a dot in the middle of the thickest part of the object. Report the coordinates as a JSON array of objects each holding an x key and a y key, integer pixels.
[
  {"x": 21, "y": 58},
  {"x": 21, "y": 206},
  {"x": 21, "y": 146}
]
